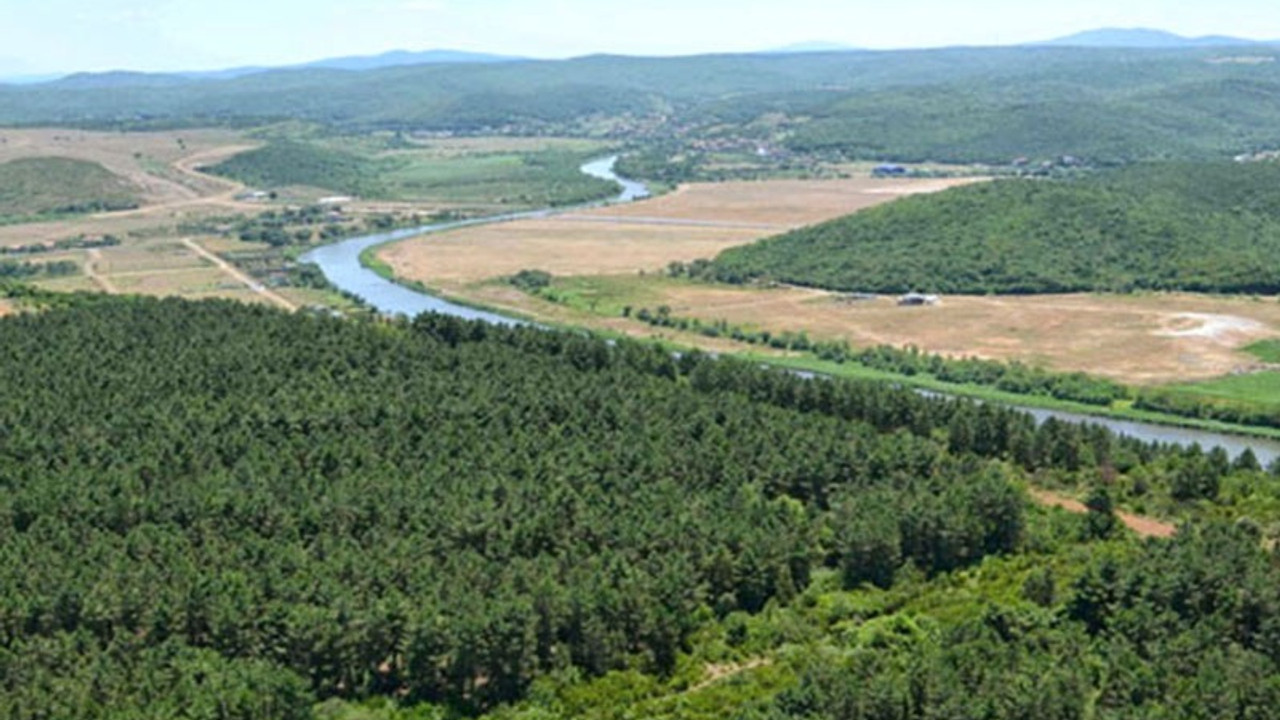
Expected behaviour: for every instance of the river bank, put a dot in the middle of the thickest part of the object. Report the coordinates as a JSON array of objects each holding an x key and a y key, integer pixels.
[{"x": 351, "y": 266}]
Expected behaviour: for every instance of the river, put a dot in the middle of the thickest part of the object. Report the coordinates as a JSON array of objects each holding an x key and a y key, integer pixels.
[{"x": 340, "y": 263}]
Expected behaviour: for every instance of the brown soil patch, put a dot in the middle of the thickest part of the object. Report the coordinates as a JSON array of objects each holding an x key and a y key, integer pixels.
[
  {"x": 6, "y": 308},
  {"x": 561, "y": 247},
  {"x": 1122, "y": 337},
  {"x": 1143, "y": 526},
  {"x": 782, "y": 203},
  {"x": 696, "y": 221},
  {"x": 716, "y": 673}
]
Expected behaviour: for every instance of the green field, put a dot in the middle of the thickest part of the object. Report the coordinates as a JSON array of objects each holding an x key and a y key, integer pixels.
[
  {"x": 1261, "y": 390},
  {"x": 374, "y": 168},
  {"x": 39, "y": 187},
  {"x": 1267, "y": 351}
]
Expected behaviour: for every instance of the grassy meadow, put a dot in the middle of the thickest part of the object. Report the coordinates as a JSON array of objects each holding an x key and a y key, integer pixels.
[{"x": 32, "y": 188}]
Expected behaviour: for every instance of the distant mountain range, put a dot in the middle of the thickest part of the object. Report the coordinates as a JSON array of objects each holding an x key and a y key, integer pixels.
[
  {"x": 1137, "y": 38},
  {"x": 1146, "y": 38},
  {"x": 354, "y": 63}
]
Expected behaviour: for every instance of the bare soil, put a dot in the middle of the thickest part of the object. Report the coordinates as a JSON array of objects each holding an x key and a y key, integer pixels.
[
  {"x": 783, "y": 204},
  {"x": 695, "y": 221},
  {"x": 1123, "y": 337},
  {"x": 1143, "y": 526},
  {"x": 561, "y": 247}
]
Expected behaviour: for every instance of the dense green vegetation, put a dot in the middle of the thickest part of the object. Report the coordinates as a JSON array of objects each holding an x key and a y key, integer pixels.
[
  {"x": 34, "y": 187},
  {"x": 27, "y": 270},
  {"x": 958, "y": 105},
  {"x": 535, "y": 179},
  {"x": 1204, "y": 227},
  {"x": 236, "y": 512},
  {"x": 282, "y": 163}
]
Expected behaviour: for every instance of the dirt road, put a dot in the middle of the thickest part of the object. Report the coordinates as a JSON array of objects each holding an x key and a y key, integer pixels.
[
  {"x": 91, "y": 271},
  {"x": 240, "y": 277}
]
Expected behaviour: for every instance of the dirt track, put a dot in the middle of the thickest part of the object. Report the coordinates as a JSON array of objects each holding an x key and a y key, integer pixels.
[
  {"x": 91, "y": 271},
  {"x": 1143, "y": 526},
  {"x": 232, "y": 272}
]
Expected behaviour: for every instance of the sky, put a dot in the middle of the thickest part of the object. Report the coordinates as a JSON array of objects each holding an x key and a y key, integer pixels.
[{"x": 58, "y": 36}]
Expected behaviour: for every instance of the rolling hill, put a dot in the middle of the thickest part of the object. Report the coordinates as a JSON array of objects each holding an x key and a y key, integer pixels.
[
  {"x": 1204, "y": 227},
  {"x": 1106, "y": 106},
  {"x": 33, "y": 187}
]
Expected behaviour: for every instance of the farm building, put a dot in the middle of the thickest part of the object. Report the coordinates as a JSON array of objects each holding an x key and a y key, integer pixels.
[
  {"x": 888, "y": 170},
  {"x": 919, "y": 300}
]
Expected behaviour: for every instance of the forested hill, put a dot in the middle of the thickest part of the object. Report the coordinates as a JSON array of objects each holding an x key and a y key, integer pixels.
[
  {"x": 986, "y": 104},
  {"x": 214, "y": 510},
  {"x": 1210, "y": 227}
]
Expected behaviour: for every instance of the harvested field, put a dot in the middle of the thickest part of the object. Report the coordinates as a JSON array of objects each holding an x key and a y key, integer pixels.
[
  {"x": 783, "y": 204},
  {"x": 696, "y": 221},
  {"x": 558, "y": 246},
  {"x": 1122, "y": 337}
]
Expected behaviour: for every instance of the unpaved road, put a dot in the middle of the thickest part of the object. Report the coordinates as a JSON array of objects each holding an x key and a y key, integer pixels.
[
  {"x": 91, "y": 271},
  {"x": 240, "y": 277}
]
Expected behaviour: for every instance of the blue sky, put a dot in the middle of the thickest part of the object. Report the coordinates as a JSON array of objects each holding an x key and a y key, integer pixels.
[{"x": 44, "y": 36}]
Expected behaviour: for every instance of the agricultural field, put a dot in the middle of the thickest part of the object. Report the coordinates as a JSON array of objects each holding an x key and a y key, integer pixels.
[
  {"x": 695, "y": 221},
  {"x": 609, "y": 261},
  {"x": 1140, "y": 339},
  {"x": 179, "y": 202}
]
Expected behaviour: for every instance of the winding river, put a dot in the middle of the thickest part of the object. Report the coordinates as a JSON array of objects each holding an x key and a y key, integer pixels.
[{"x": 341, "y": 264}]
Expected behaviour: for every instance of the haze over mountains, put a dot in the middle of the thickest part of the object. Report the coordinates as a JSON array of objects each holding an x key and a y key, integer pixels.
[
  {"x": 1136, "y": 38},
  {"x": 1147, "y": 38}
]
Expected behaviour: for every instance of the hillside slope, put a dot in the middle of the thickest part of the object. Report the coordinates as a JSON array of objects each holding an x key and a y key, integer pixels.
[
  {"x": 994, "y": 104},
  {"x": 32, "y": 187},
  {"x": 1213, "y": 228}
]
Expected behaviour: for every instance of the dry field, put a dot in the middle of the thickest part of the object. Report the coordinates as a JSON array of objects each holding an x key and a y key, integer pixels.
[
  {"x": 160, "y": 267},
  {"x": 1148, "y": 339},
  {"x": 774, "y": 204},
  {"x": 164, "y": 165},
  {"x": 696, "y": 221},
  {"x": 159, "y": 163},
  {"x": 561, "y": 247}
]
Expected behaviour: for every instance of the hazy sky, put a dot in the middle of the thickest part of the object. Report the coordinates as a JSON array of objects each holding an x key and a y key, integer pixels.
[{"x": 42, "y": 36}]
